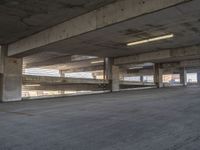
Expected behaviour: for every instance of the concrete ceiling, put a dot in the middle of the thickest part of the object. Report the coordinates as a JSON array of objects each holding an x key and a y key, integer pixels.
[
  {"x": 181, "y": 20},
  {"x": 20, "y": 18}
]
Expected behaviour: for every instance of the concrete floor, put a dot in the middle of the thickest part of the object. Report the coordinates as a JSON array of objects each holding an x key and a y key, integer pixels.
[{"x": 153, "y": 119}]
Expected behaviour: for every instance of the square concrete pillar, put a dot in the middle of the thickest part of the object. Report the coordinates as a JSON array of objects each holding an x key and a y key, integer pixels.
[
  {"x": 142, "y": 79},
  {"x": 112, "y": 74},
  {"x": 158, "y": 73},
  {"x": 108, "y": 62},
  {"x": 198, "y": 77},
  {"x": 62, "y": 75},
  {"x": 115, "y": 78},
  {"x": 10, "y": 77},
  {"x": 183, "y": 76}
]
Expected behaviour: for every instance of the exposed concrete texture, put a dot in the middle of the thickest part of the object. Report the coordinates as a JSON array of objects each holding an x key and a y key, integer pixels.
[
  {"x": 198, "y": 77},
  {"x": 158, "y": 75},
  {"x": 108, "y": 15},
  {"x": 10, "y": 77},
  {"x": 112, "y": 74},
  {"x": 136, "y": 83},
  {"x": 85, "y": 86},
  {"x": 139, "y": 72},
  {"x": 190, "y": 63},
  {"x": 161, "y": 56},
  {"x": 64, "y": 63},
  {"x": 141, "y": 79},
  {"x": 115, "y": 78},
  {"x": 66, "y": 87},
  {"x": 156, "y": 119},
  {"x": 74, "y": 84},
  {"x": 29, "y": 79},
  {"x": 48, "y": 62},
  {"x": 183, "y": 76},
  {"x": 23, "y": 18},
  {"x": 171, "y": 70},
  {"x": 62, "y": 74},
  {"x": 108, "y": 62},
  {"x": 85, "y": 69}
]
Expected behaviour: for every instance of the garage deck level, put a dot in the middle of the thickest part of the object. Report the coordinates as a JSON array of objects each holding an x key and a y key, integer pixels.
[{"x": 152, "y": 119}]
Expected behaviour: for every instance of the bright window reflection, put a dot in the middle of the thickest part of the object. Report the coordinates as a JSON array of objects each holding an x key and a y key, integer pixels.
[
  {"x": 171, "y": 78},
  {"x": 41, "y": 72},
  {"x": 149, "y": 79},
  {"x": 192, "y": 77},
  {"x": 135, "y": 78}
]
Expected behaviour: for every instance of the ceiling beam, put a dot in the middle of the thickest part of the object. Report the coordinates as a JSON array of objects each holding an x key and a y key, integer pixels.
[
  {"x": 168, "y": 55},
  {"x": 64, "y": 63},
  {"x": 84, "y": 69},
  {"x": 50, "y": 62},
  {"x": 116, "y": 12}
]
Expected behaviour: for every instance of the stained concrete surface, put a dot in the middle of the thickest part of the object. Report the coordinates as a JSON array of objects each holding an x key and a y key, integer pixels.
[
  {"x": 21, "y": 18},
  {"x": 153, "y": 119}
]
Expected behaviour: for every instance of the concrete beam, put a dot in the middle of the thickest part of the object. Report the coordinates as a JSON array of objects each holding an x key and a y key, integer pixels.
[
  {"x": 136, "y": 83},
  {"x": 84, "y": 69},
  {"x": 193, "y": 63},
  {"x": 50, "y": 62},
  {"x": 138, "y": 72},
  {"x": 111, "y": 14},
  {"x": 68, "y": 87},
  {"x": 170, "y": 65},
  {"x": 161, "y": 56},
  {"x": 82, "y": 87},
  {"x": 171, "y": 70},
  {"x": 190, "y": 63},
  {"x": 28, "y": 79},
  {"x": 63, "y": 64},
  {"x": 71, "y": 84}
]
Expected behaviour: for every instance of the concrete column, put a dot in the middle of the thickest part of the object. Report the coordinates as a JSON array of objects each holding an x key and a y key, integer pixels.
[
  {"x": 198, "y": 77},
  {"x": 40, "y": 93},
  {"x": 183, "y": 76},
  {"x": 158, "y": 73},
  {"x": 115, "y": 79},
  {"x": 62, "y": 75},
  {"x": 108, "y": 62},
  {"x": 142, "y": 79},
  {"x": 10, "y": 77},
  {"x": 94, "y": 75},
  {"x": 112, "y": 74}
]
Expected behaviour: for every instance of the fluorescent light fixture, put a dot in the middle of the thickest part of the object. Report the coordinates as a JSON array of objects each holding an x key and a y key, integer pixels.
[
  {"x": 163, "y": 37},
  {"x": 136, "y": 67},
  {"x": 32, "y": 85},
  {"x": 97, "y": 62}
]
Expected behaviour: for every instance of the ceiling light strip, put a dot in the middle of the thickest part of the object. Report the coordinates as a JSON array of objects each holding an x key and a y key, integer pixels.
[
  {"x": 168, "y": 36},
  {"x": 97, "y": 62}
]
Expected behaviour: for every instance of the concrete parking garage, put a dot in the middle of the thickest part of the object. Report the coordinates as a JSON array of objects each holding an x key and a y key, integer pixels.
[
  {"x": 142, "y": 56},
  {"x": 153, "y": 119},
  {"x": 108, "y": 39}
]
